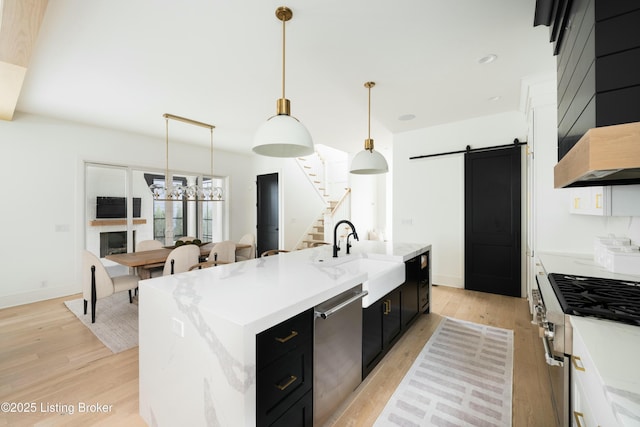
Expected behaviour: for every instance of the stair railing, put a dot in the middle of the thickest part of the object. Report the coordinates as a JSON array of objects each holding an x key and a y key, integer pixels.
[
  {"x": 313, "y": 168},
  {"x": 342, "y": 210}
]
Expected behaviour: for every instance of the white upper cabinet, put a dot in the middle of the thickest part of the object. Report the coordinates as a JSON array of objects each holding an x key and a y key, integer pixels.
[{"x": 617, "y": 200}]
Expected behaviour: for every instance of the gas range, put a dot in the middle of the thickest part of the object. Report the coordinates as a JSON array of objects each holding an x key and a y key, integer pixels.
[{"x": 611, "y": 299}]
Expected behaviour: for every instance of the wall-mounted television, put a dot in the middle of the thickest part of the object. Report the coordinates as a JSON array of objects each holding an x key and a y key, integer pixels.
[{"x": 116, "y": 207}]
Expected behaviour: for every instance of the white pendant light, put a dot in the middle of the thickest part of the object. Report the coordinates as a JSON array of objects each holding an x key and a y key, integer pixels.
[
  {"x": 283, "y": 135},
  {"x": 368, "y": 161}
]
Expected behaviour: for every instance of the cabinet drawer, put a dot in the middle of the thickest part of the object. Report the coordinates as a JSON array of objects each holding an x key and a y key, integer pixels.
[
  {"x": 584, "y": 376},
  {"x": 283, "y": 338},
  {"x": 283, "y": 382},
  {"x": 299, "y": 415}
]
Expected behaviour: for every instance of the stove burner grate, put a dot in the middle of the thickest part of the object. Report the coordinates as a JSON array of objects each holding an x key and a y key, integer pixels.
[{"x": 594, "y": 296}]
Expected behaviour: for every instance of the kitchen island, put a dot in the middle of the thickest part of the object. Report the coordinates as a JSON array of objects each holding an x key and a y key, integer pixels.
[{"x": 198, "y": 329}]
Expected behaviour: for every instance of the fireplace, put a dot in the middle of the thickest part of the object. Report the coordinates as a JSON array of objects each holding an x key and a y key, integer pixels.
[{"x": 114, "y": 242}]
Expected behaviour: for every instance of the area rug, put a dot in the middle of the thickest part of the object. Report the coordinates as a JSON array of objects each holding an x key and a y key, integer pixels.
[
  {"x": 116, "y": 320},
  {"x": 462, "y": 377}
]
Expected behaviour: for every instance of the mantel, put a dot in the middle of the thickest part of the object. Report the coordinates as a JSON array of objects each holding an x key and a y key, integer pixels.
[{"x": 102, "y": 222}]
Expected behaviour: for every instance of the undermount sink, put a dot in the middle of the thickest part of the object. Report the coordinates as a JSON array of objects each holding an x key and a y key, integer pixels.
[{"x": 382, "y": 276}]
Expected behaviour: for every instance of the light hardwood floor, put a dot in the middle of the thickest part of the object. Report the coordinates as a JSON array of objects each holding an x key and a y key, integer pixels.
[{"x": 47, "y": 357}]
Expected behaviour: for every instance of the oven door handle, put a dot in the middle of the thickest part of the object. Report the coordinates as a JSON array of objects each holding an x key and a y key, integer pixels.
[{"x": 548, "y": 355}]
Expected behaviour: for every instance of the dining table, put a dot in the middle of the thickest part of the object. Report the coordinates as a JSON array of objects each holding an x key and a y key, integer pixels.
[{"x": 145, "y": 261}]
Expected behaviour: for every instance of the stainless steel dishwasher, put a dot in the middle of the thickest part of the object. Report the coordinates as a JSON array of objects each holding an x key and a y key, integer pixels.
[{"x": 337, "y": 352}]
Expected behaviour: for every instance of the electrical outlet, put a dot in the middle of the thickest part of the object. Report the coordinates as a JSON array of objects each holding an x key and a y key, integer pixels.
[{"x": 177, "y": 326}]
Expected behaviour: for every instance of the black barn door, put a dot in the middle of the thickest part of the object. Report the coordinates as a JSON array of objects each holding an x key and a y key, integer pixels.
[
  {"x": 492, "y": 221},
  {"x": 268, "y": 217}
]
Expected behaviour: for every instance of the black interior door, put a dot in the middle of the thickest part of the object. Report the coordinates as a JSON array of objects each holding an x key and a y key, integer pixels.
[
  {"x": 268, "y": 215},
  {"x": 492, "y": 221}
]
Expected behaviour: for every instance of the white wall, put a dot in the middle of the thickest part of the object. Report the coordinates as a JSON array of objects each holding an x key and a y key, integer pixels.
[
  {"x": 428, "y": 202},
  {"x": 428, "y": 194},
  {"x": 300, "y": 205},
  {"x": 43, "y": 220}
]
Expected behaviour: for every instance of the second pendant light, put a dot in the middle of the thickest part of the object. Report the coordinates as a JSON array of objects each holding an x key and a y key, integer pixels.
[{"x": 368, "y": 161}]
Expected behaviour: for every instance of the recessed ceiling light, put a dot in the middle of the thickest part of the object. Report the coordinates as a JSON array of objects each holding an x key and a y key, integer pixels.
[
  {"x": 406, "y": 117},
  {"x": 488, "y": 59},
  {"x": 494, "y": 98}
]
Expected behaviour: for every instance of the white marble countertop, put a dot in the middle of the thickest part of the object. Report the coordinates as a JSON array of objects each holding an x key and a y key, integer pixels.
[
  {"x": 259, "y": 293},
  {"x": 579, "y": 264},
  {"x": 614, "y": 348}
]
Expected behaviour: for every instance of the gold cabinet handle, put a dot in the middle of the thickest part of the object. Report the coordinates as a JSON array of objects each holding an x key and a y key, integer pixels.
[
  {"x": 387, "y": 306},
  {"x": 291, "y": 380},
  {"x": 285, "y": 339},
  {"x": 577, "y": 363},
  {"x": 576, "y": 202},
  {"x": 598, "y": 201},
  {"x": 579, "y": 417}
]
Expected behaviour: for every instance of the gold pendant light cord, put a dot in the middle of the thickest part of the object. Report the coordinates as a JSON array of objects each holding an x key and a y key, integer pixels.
[
  {"x": 211, "y": 145},
  {"x": 369, "y": 115},
  {"x": 368, "y": 143},
  {"x": 283, "y": 55},
  {"x": 166, "y": 177}
]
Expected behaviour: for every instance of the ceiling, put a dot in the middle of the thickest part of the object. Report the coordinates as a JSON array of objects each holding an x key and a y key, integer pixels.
[{"x": 121, "y": 64}]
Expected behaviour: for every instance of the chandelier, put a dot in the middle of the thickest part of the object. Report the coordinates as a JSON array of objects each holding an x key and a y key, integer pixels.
[{"x": 193, "y": 192}]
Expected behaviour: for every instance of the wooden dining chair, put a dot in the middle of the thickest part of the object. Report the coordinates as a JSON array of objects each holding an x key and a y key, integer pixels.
[
  {"x": 97, "y": 284},
  {"x": 272, "y": 252},
  {"x": 181, "y": 259}
]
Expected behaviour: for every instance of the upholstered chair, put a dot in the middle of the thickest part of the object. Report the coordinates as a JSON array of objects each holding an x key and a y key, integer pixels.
[
  {"x": 181, "y": 259},
  {"x": 97, "y": 284},
  {"x": 223, "y": 251},
  {"x": 247, "y": 253},
  {"x": 148, "y": 245}
]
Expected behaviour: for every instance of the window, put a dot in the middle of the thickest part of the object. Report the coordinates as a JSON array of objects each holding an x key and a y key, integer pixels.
[{"x": 144, "y": 217}]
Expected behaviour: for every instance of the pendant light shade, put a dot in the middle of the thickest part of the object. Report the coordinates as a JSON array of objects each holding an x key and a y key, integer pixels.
[
  {"x": 369, "y": 161},
  {"x": 283, "y": 135}
]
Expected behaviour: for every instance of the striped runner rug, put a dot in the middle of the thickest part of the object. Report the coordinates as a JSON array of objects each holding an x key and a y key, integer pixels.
[{"x": 462, "y": 377}]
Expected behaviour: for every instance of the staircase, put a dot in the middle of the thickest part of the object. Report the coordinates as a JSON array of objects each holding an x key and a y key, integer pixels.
[{"x": 316, "y": 235}]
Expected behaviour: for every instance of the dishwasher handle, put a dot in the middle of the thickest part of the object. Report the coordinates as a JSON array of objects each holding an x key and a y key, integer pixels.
[{"x": 326, "y": 313}]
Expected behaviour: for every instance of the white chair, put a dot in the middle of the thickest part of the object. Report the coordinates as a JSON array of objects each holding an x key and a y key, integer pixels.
[
  {"x": 147, "y": 271},
  {"x": 180, "y": 259},
  {"x": 247, "y": 253},
  {"x": 97, "y": 284},
  {"x": 223, "y": 252},
  {"x": 148, "y": 245}
]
